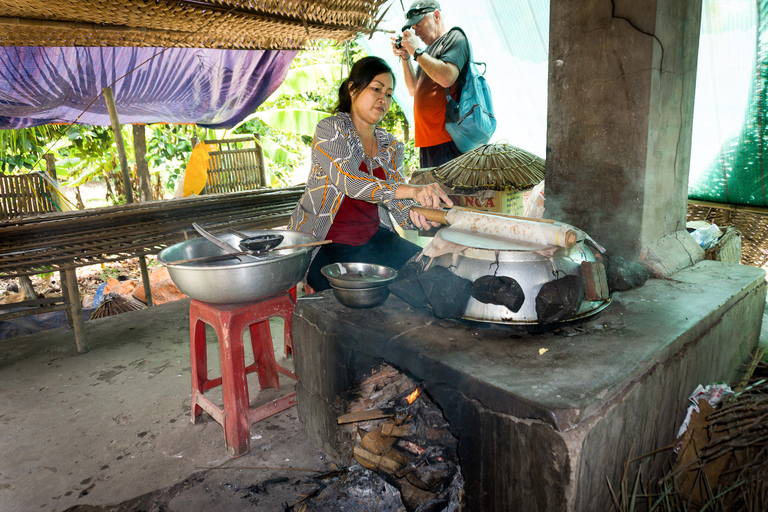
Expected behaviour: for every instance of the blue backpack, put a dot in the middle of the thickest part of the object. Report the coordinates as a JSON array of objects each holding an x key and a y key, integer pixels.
[{"x": 471, "y": 121}]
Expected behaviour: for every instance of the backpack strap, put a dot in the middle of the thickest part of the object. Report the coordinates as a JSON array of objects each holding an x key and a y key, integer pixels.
[{"x": 462, "y": 79}]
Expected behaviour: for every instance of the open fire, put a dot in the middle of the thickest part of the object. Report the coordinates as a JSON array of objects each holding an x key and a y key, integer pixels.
[{"x": 398, "y": 435}]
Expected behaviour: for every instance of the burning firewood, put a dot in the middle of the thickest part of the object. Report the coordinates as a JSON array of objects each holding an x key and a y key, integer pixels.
[{"x": 376, "y": 462}]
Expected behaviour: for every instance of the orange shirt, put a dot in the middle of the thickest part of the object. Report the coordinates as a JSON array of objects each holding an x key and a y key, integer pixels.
[{"x": 429, "y": 97}]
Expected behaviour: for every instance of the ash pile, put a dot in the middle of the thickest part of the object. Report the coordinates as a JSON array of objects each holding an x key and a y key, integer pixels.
[{"x": 403, "y": 458}]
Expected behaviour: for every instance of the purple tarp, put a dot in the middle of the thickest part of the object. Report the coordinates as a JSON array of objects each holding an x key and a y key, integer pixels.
[{"x": 211, "y": 88}]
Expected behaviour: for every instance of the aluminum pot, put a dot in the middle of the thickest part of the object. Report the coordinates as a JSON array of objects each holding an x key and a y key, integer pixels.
[
  {"x": 530, "y": 268},
  {"x": 247, "y": 279}
]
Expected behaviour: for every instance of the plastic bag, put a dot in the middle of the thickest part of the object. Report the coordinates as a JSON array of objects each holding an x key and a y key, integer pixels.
[{"x": 534, "y": 202}]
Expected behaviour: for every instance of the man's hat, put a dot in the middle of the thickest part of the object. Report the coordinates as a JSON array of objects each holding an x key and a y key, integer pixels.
[{"x": 417, "y": 10}]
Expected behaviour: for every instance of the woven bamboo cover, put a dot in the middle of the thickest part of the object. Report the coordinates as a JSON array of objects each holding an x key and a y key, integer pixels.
[
  {"x": 753, "y": 228},
  {"x": 492, "y": 167},
  {"x": 224, "y": 24}
]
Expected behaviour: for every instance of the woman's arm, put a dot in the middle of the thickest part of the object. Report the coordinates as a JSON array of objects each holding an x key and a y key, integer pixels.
[{"x": 406, "y": 196}]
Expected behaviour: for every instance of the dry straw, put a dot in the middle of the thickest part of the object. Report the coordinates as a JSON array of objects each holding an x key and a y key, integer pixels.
[{"x": 497, "y": 166}]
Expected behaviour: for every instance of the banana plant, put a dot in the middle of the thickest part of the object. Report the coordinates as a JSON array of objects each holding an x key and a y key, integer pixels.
[{"x": 292, "y": 111}]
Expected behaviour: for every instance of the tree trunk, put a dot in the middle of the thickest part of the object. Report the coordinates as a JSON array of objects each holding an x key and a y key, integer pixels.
[{"x": 142, "y": 168}]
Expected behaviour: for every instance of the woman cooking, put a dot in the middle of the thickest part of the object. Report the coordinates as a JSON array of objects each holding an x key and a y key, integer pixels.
[{"x": 356, "y": 180}]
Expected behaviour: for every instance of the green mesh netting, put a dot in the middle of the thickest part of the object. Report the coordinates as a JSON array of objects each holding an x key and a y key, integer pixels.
[{"x": 731, "y": 111}]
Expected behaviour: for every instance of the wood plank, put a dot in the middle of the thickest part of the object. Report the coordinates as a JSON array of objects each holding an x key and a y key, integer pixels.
[{"x": 372, "y": 414}]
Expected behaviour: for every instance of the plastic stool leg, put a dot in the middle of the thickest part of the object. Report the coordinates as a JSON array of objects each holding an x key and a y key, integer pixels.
[
  {"x": 199, "y": 362},
  {"x": 264, "y": 355},
  {"x": 235, "y": 389}
]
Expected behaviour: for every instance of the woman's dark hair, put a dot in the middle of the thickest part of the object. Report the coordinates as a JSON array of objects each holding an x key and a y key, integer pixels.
[{"x": 363, "y": 72}]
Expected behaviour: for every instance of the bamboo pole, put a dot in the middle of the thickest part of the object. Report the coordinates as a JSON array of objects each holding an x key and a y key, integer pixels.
[{"x": 112, "y": 107}]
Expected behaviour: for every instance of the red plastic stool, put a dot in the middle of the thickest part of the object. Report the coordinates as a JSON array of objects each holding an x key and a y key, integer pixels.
[{"x": 230, "y": 321}]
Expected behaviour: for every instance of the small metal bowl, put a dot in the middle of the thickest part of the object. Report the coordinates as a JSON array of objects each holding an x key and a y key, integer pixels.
[
  {"x": 361, "y": 298},
  {"x": 358, "y": 275}
]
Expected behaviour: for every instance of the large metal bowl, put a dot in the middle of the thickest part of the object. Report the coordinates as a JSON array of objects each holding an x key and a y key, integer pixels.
[
  {"x": 361, "y": 297},
  {"x": 358, "y": 275},
  {"x": 247, "y": 279}
]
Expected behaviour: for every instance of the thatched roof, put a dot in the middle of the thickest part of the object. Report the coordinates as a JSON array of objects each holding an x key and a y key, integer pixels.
[{"x": 224, "y": 24}]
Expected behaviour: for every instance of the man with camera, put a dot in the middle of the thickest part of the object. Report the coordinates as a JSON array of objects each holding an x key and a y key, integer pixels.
[{"x": 441, "y": 54}]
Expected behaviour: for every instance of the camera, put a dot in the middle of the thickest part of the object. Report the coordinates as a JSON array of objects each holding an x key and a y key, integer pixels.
[{"x": 399, "y": 42}]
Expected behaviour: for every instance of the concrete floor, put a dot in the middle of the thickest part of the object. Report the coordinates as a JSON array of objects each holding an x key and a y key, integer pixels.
[
  {"x": 111, "y": 429},
  {"x": 113, "y": 425}
]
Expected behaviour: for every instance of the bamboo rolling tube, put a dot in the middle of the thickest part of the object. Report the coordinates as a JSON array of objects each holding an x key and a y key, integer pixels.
[{"x": 555, "y": 233}]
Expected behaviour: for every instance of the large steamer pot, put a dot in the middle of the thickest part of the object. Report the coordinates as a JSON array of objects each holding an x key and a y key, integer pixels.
[
  {"x": 247, "y": 279},
  {"x": 530, "y": 269}
]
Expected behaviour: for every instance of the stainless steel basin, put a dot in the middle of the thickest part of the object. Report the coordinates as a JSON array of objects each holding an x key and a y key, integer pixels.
[{"x": 247, "y": 279}]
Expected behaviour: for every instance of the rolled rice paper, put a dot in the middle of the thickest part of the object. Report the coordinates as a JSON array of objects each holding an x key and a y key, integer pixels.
[{"x": 557, "y": 233}]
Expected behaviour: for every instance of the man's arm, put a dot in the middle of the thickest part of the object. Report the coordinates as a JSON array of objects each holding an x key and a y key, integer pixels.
[
  {"x": 443, "y": 73},
  {"x": 410, "y": 75},
  {"x": 408, "y": 71}
]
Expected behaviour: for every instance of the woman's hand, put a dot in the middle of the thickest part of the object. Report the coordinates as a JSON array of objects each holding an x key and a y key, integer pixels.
[{"x": 428, "y": 196}]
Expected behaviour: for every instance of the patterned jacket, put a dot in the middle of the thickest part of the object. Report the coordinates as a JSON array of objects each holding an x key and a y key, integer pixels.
[{"x": 336, "y": 157}]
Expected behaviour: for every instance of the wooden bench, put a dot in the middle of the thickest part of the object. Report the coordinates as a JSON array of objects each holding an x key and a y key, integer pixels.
[
  {"x": 64, "y": 241},
  {"x": 233, "y": 167}
]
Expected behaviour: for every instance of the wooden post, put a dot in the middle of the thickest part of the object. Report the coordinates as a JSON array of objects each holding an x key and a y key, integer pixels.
[
  {"x": 27, "y": 288},
  {"x": 110, "y": 99},
  {"x": 145, "y": 280},
  {"x": 76, "y": 310},
  {"x": 262, "y": 163},
  {"x": 65, "y": 296},
  {"x": 142, "y": 168}
]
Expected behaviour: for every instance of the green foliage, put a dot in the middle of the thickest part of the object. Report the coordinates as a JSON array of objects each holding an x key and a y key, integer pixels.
[
  {"x": 287, "y": 119},
  {"x": 91, "y": 152},
  {"x": 23, "y": 150},
  {"x": 168, "y": 150}
]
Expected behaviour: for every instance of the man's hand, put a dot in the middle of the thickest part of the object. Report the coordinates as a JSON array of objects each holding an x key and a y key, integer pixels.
[
  {"x": 411, "y": 42},
  {"x": 399, "y": 52}
]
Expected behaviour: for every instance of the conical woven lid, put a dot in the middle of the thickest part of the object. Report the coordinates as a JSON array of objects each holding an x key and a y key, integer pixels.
[{"x": 492, "y": 167}]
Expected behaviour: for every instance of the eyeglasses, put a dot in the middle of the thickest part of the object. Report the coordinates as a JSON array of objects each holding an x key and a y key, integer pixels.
[{"x": 417, "y": 12}]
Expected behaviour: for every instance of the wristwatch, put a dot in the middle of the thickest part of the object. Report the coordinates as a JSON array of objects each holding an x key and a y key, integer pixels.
[{"x": 418, "y": 53}]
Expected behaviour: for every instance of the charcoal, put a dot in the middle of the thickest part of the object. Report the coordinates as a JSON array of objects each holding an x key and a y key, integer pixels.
[
  {"x": 447, "y": 293},
  {"x": 431, "y": 477},
  {"x": 502, "y": 290},
  {"x": 560, "y": 299},
  {"x": 407, "y": 286},
  {"x": 624, "y": 274}
]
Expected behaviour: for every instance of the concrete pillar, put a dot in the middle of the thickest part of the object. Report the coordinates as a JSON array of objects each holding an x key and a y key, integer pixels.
[{"x": 622, "y": 76}]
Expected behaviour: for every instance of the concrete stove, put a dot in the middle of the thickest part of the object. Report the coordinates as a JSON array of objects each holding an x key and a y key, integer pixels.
[{"x": 542, "y": 418}]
